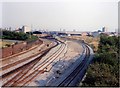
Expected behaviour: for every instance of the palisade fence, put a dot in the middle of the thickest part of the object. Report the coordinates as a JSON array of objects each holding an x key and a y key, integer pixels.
[{"x": 17, "y": 48}]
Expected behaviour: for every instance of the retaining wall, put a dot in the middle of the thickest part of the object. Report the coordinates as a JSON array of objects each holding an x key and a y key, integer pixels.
[{"x": 17, "y": 48}]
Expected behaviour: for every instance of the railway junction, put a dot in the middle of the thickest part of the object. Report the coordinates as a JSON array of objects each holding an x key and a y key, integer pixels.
[{"x": 56, "y": 62}]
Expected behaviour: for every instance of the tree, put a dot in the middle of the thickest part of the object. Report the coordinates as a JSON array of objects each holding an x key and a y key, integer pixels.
[
  {"x": 105, "y": 68},
  {"x": 17, "y": 36}
]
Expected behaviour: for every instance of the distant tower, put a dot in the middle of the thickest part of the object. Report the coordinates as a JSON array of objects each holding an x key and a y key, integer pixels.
[
  {"x": 116, "y": 30},
  {"x": 46, "y": 30},
  {"x": 60, "y": 29},
  {"x": 104, "y": 29},
  {"x": 10, "y": 28},
  {"x": 26, "y": 29},
  {"x": 31, "y": 27},
  {"x": 74, "y": 30},
  {"x": 64, "y": 30}
]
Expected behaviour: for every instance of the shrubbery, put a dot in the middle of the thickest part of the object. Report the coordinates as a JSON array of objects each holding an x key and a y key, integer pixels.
[
  {"x": 18, "y": 36},
  {"x": 104, "y": 71}
]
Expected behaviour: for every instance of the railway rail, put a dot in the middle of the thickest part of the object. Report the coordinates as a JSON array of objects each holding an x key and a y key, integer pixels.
[
  {"x": 70, "y": 78},
  {"x": 23, "y": 74},
  {"x": 18, "y": 64},
  {"x": 21, "y": 69},
  {"x": 41, "y": 68},
  {"x": 12, "y": 60}
]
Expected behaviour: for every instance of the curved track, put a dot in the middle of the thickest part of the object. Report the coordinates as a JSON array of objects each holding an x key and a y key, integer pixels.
[
  {"x": 29, "y": 71},
  {"x": 70, "y": 78}
]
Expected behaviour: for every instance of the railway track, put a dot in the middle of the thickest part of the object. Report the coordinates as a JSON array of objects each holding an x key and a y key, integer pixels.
[
  {"x": 17, "y": 70},
  {"x": 20, "y": 62},
  {"x": 23, "y": 76},
  {"x": 40, "y": 69},
  {"x": 21, "y": 69},
  {"x": 11, "y": 60},
  {"x": 70, "y": 78},
  {"x": 9, "y": 67}
]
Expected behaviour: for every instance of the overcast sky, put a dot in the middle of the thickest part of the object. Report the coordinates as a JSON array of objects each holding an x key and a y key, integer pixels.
[
  {"x": 69, "y": 15},
  {"x": 0, "y": 14}
]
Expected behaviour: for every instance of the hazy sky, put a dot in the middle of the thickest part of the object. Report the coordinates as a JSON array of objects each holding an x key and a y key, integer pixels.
[
  {"x": 81, "y": 16},
  {"x": 0, "y": 14}
]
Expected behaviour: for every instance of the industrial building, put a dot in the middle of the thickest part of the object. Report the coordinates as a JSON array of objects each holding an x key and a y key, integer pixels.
[{"x": 26, "y": 29}]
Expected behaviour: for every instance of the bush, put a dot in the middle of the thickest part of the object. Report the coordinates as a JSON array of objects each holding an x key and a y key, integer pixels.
[
  {"x": 105, "y": 68},
  {"x": 8, "y": 45},
  {"x": 18, "y": 36}
]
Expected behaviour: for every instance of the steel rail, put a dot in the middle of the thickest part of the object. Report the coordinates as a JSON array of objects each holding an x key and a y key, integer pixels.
[{"x": 77, "y": 70}]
